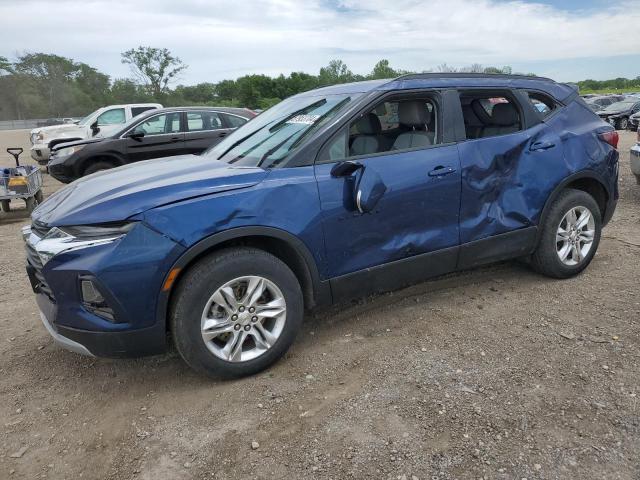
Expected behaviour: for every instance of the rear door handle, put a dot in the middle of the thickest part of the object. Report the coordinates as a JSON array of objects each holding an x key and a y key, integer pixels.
[
  {"x": 441, "y": 171},
  {"x": 175, "y": 139},
  {"x": 536, "y": 147}
]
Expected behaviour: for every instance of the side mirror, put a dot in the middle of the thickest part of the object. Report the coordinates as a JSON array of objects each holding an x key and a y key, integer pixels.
[
  {"x": 136, "y": 135},
  {"x": 95, "y": 128},
  {"x": 369, "y": 189}
]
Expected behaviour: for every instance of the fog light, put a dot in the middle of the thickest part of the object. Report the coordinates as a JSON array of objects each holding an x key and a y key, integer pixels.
[{"x": 93, "y": 300}]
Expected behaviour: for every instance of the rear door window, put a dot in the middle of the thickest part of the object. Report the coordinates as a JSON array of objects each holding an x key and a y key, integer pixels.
[
  {"x": 490, "y": 115},
  {"x": 234, "y": 121},
  {"x": 202, "y": 121}
]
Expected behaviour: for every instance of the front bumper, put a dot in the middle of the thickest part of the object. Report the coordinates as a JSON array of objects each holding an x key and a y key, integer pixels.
[
  {"x": 64, "y": 342},
  {"x": 635, "y": 159},
  {"x": 129, "y": 272},
  {"x": 59, "y": 172},
  {"x": 40, "y": 153}
]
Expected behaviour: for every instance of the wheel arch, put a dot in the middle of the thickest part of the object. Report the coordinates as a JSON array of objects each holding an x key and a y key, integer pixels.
[
  {"x": 587, "y": 181},
  {"x": 284, "y": 245},
  {"x": 102, "y": 157}
]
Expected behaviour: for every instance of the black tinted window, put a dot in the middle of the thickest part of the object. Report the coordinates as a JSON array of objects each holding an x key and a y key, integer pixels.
[
  {"x": 135, "y": 111},
  {"x": 234, "y": 121}
]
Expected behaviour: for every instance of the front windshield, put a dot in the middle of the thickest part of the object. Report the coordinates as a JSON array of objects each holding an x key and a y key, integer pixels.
[
  {"x": 268, "y": 139},
  {"x": 86, "y": 119},
  {"x": 620, "y": 106}
]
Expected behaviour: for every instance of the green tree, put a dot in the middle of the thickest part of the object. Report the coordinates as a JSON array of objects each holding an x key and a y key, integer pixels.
[
  {"x": 383, "y": 70},
  {"x": 336, "y": 72},
  {"x": 154, "y": 67}
]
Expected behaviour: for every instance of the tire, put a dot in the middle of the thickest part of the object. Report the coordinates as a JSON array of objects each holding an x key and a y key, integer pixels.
[
  {"x": 638, "y": 179},
  {"x": 623, "y": 124},
  {"x": 546, "y": 259},
  {"x": 5, "y": 205},
  {"x": 31, "y": 203},
  {"x": 39, "y": 197},
  {"x": 192, "y": 300},
  {"x": 97, "y": 167}
]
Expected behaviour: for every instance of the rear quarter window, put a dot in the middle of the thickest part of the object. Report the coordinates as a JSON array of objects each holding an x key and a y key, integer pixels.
[{"x": 543, "y": 104}]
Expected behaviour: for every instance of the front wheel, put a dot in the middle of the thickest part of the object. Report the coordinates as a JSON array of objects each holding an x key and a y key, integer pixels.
[
  {"x": 97, "y": 167},
  {"x": 236, "y": 312},
  {"x": 570, "y": 235},
  {"x": 623, "y": 124}
]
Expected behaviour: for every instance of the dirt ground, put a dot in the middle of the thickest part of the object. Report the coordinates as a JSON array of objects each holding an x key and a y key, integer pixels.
[{"x": 495, "y": 373}]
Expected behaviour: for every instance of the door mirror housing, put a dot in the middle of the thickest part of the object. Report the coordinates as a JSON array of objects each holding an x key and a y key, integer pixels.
[
  {"x": 369, "y": 189},
  {"x": 136, "y": 135},
  {"x": 95, "y": 129}
]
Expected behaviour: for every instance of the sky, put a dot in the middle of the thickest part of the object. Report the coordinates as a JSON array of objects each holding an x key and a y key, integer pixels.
[{"x": 567, "y": 40}]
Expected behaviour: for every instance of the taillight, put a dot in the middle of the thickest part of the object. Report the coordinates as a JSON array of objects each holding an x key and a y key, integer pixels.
[{"x": 610, "y": 137}]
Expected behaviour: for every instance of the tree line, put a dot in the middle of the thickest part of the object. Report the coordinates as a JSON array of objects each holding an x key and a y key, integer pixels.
[{"x": 43, "y": 85}]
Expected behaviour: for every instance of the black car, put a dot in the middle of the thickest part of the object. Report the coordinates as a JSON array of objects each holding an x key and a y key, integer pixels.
[
  {"x": 158, "y": 133},
  {"x": 634, "y": 122},
  {"x": 617, "y": 114},
  {"x": 600, "y": 102}
]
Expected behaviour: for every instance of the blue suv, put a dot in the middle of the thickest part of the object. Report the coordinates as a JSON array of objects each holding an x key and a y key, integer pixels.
[{"x": 331, "y": 194}]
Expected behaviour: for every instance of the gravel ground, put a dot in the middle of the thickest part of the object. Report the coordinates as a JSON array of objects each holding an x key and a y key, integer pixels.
[{"x": 494, "y": 373}]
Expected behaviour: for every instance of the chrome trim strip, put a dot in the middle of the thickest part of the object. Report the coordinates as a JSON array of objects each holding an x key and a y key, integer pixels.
[{"x": 64, "y": 342}]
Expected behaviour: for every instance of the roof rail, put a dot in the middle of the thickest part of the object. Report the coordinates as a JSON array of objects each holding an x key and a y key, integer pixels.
[{"x": 412, "y": 76}]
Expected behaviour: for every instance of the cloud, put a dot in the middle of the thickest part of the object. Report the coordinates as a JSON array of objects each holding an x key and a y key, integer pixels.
[{"x": 225, "y": 39}]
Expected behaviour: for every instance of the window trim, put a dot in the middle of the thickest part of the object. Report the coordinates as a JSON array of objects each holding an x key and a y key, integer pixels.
[{"x": 434, "y": 94}]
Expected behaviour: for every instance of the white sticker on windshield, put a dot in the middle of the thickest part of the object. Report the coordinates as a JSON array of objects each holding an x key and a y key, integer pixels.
[{"x": 304, "y": 119}]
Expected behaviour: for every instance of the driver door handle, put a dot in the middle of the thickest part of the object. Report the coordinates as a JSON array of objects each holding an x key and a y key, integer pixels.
[
  {"x": 175, "y": 139},
  {"x": 441, "y": 171},
  {"x": 536, "y": 147}
]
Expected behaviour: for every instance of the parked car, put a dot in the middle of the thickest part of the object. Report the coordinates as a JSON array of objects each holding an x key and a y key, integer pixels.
[
  {"x": 49, "y": 122},
  {"x": 634, "y": 122},
  {"x": 102, "y": 122},
  {"x": 326, "y": 196},
  {"x": 617, "y": 114},
  {"x": 154, "y": 134},
  {"x": 598, "y": 103},
  {"x": 635, "y": 158}
]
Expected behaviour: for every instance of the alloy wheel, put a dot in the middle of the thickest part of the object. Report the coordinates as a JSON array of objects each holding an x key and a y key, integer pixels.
[
  {"x": 243, "y": 319},
  {"x": 575, "y": 234}
]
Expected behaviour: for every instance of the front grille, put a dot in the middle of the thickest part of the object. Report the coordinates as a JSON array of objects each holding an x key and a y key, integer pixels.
[{"x": 34, "y": 261}]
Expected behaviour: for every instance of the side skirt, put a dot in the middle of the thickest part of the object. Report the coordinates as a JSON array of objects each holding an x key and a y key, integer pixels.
[
  {"x": 394, "y": 275},
  {"x": 415, "y": 269}
]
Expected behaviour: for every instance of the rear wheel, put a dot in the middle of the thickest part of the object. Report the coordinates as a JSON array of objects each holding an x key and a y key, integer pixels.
[
  {"x": 570, "y": 235},
  {"x": 236, "y": 312},
  {"x": 98, "y": 167},
  {"x": 31, "y": 203}
]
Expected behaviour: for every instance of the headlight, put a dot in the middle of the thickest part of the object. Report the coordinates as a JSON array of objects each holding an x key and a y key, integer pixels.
[
  {"x": 68, "y": 151},
  {"x": 65, "y": 239}
]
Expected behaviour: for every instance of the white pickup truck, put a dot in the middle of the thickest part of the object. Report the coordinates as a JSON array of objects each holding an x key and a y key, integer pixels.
[{"x": 100, "y": 123}]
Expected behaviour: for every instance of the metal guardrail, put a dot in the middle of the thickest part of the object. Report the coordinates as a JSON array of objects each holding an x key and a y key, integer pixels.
[{"x": 20, "y": 124}]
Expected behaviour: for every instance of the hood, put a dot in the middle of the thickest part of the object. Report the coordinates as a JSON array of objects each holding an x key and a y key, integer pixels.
[
  {"x": 59, "y": 129},
  {"x": 115, "y": 195},
  {"x": 73, "y": 143}
]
